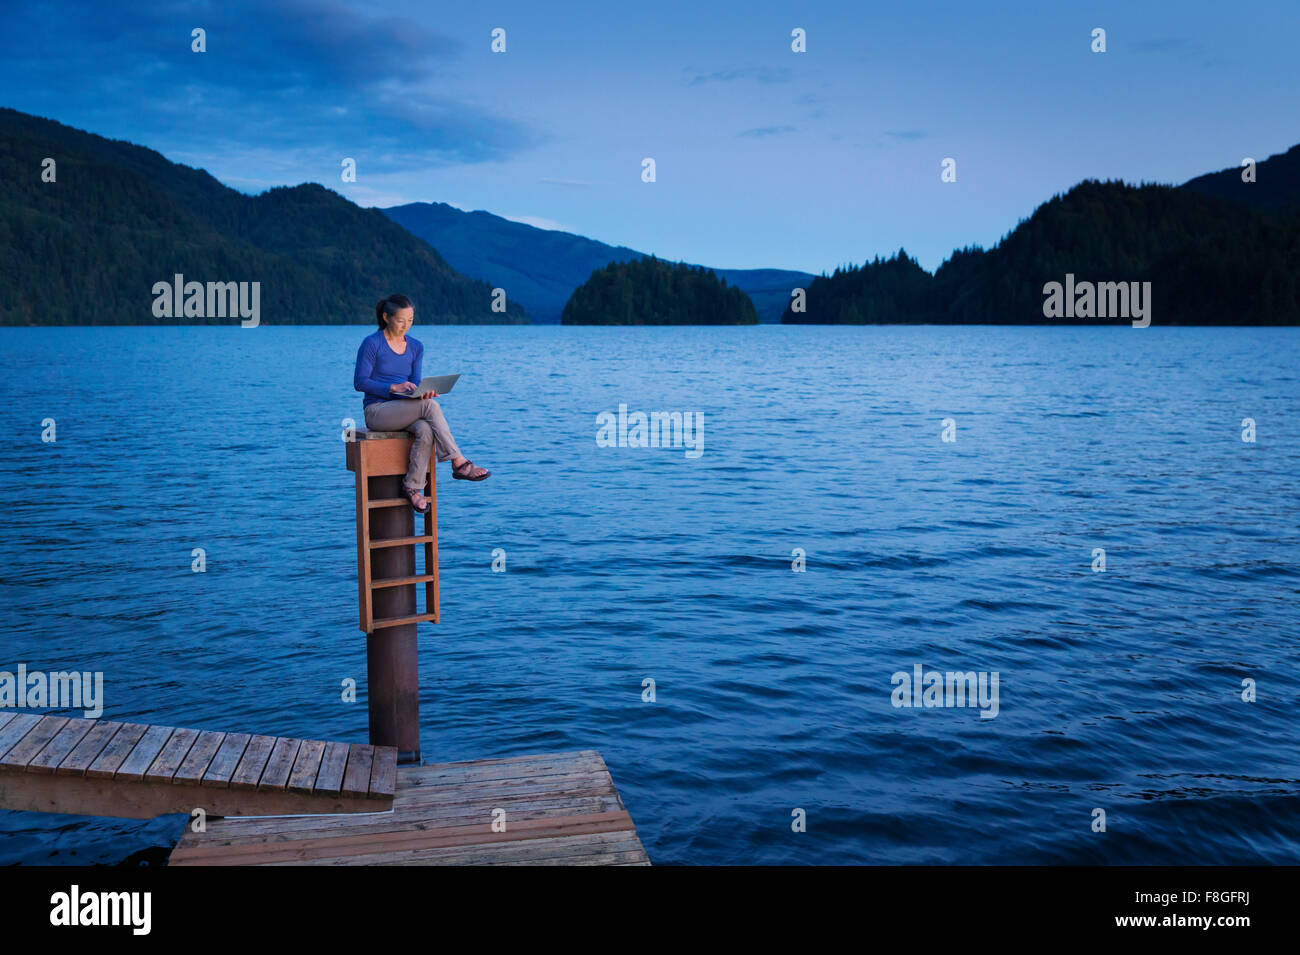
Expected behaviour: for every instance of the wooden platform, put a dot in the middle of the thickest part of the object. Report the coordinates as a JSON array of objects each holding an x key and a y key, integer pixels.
[
  {"x": 560, "y": 809},
  {"x": 132, "y": 770}
]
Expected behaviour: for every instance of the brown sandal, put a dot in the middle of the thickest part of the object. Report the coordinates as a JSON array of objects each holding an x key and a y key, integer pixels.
[
  {"x": 468, "y": 472},
  {"x": 410, "y": 496}
]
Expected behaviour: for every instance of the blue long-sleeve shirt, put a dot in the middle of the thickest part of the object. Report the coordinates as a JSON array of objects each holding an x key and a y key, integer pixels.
[{"x": 378, "y": 366}]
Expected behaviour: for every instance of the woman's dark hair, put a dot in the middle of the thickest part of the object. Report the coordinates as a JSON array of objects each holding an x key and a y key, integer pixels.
[{"x": 389, "y": 307}]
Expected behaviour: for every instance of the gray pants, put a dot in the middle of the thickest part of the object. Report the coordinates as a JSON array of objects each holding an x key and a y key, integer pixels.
[{"x": 424, "y": 419}]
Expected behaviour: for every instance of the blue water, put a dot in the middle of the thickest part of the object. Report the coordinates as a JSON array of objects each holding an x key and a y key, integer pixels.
[{"x": 1118, "y": 690}]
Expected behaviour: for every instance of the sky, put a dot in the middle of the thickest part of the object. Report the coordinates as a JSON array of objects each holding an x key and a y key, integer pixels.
[{"x": 764, "y": 157}]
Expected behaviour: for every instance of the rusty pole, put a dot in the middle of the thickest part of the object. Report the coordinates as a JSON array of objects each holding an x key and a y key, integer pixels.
[{"x": 392, "y": 662}]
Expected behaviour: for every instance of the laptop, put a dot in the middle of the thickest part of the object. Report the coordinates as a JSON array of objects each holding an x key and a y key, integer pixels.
[{"x": 439, "y": 383}]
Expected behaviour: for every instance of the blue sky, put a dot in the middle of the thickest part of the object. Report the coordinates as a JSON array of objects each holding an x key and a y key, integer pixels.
[{"x": 765, "y": 157}]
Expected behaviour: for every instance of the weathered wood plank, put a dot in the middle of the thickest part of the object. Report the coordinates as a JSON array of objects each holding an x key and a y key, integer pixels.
[
  {"x": 115, "y": 753},
  {"x": 383, "y": 772},
  {"x": 16, "y": 729},
  {"x": 227, "y": 835},
  {"x": 553, "y": 816},
  {"x": 496, "y": 769},
  {"x": 429, "y": 796},
  {"x": 145, "y": 752},
  {"x": 356, "y": 780},
  {"x": 278, "y": 767},
  {"x": 88, "y": 750},
  {"x": 196, "y": 761},
  {"x": 83, "y": 795},
  {"x": 26, "y": 749},
  {"x": 354, "y": 843},
  {"x": 170, "y": 757},
  {"x": 302, "y": 778},
  {"x": 329, "y": 780},
  {"x": 224, "y": 764},
  {"x": 249, "y": 771},
  {"x": 404, "y": 817},
  {"x": 475, "y": 774},
  {"x": 562, "y": 850},
  {"x": 48, "y": 759}
]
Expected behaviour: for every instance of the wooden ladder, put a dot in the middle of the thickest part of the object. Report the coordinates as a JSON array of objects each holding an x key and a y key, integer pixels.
[{"x": 383, "y": 454}]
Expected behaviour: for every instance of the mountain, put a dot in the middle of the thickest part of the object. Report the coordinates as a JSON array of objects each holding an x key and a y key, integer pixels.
[
  {"x": 89, "y": 247},
  {"x": 1212, "y": 253},
  {"x": 651, "y": 292},
  {"x": 1276, "y": 187},
  {"x": 541, "y": 267}
]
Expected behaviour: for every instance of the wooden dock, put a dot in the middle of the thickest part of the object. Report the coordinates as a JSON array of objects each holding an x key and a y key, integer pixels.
[
  {"x": 559, "y": 809},
  {"x": 137, "y": 771}
]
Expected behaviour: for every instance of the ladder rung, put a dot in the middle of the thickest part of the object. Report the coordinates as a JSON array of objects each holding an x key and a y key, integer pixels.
[
  {"x": 402, "y": 581},
  {"x": 399, "y": 621},
  {"x": 403, "y": 541},
  {"x": 390, "y": 502}
]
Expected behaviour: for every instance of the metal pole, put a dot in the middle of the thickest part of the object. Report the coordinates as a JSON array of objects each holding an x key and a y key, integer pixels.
[{"x": 392, "y": 662}]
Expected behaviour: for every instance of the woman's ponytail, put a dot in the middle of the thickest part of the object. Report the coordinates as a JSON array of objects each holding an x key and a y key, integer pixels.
[{"x": 388, "y": 307}]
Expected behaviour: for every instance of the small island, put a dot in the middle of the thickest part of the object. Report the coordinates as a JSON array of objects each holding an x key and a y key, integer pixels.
[{"x": 650, "y": 291}]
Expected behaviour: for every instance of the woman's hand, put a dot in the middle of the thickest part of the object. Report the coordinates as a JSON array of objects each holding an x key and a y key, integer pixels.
[
  {"x": 403, "y": 387},
  {"x": 429, "y": 394}
]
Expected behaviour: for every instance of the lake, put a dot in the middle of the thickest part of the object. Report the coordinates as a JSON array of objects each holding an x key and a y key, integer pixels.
[{"x": 1118, "y": 689}]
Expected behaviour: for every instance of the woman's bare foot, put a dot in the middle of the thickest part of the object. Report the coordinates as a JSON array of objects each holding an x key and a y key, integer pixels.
[{"x": 467, "y": 470}]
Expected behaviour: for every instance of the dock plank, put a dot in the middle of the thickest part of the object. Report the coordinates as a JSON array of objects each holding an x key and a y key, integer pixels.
[
  {"x": 224, "y": 764},
  {"x": 335, "y": 760},
  {"x": 170, "y": 757},
  {"x": 16, "y": 729},
  {"x": 280, "y": 764},
  {"x": 250, "y": 831},
  {"x": 302, "y": 778},
  {"x": 87, "y": 751},
  {"x": 249, "y": 771},
  {"x": 57, "y": 750},
  {"x": 383, "y": 771},
  {"x": 26, "y": 749},
  {"x": 145, "y": 752},
  {"x": 333, "y": 846},
  {"x": 356, "y": 781},
  {"x": 108, "y": 762},
  {"x": 196, "y": 761}
]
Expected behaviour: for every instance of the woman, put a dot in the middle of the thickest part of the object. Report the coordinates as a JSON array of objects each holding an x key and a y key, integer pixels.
[{"x": 388, "y": 364}]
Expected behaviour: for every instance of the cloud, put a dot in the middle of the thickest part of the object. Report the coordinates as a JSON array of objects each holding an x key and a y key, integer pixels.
[
  {"x": 907, "y": 134},
  {"x": 1170, "y": 44},
  {"x": 540, "y": 223},
  {"x": 763, "y": 74},
  {"x": 761, "y": 131},
  {"x": 285, "y": 74},
  {"x": 571, "y": 182}
]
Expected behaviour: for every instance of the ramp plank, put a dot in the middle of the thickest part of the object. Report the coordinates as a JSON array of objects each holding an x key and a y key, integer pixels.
[
  {"x": 26, "y": 749},
  {"x": 88, "y": 750},
  {"x": 107, "y": 763},
  {"x": 145, "y": 752},
  {"x": 58, "y": 748},
  {"x": 224, "y": 764}
]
